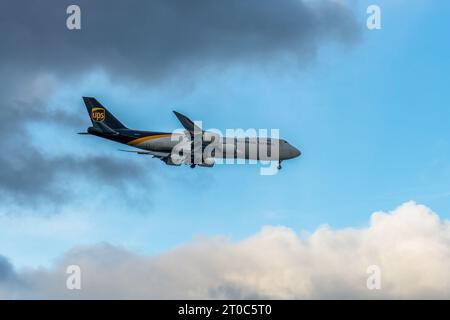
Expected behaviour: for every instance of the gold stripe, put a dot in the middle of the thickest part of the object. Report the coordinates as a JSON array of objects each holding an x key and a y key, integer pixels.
[{"x": 139, "y": 140}]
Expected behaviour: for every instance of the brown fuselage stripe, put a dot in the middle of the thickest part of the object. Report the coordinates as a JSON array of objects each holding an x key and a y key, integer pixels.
[{"x": 140, "y": 140}]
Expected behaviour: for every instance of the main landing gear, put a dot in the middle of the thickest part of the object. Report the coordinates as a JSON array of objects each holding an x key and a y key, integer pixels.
[{"x": 192, "y": 157}]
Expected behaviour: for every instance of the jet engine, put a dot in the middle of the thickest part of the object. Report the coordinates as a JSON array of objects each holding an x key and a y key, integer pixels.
[
  {"x": 208, "y": 162},
  {"x": 174, "y": 160}
]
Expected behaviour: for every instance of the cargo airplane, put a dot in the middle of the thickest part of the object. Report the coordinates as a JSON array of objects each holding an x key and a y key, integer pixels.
[{"x": 166, "y": 146}]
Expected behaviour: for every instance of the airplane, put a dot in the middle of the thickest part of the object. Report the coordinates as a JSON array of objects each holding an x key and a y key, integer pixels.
[{"x": 166, "y": 146}]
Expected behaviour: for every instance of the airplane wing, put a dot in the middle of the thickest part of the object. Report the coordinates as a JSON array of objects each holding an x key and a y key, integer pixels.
[
  {"x": 188, "y": 124},
  {"x": 163, "y": 156},
  {"x": 155, "y": 154}
]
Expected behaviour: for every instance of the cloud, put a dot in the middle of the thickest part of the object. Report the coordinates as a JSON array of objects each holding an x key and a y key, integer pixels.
[
  {"x": 29, "y": 175},
  {"x": 6, "y": 270},
  {"x": 411, "y": 245},
  {"x": 156, "y": 39},
  {"x": 9, "y": 281}
]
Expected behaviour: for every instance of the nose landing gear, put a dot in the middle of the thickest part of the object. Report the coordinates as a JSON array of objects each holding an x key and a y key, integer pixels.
[{"x": 279, "y": 165}]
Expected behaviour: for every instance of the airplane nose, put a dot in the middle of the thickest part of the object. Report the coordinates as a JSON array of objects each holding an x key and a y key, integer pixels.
[{"x": 295, "y": 152}]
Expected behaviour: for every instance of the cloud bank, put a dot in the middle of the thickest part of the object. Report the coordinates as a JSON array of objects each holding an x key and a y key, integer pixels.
[
  {"x": 411, "y": 245},
  {"x": 154, "y": 39}
]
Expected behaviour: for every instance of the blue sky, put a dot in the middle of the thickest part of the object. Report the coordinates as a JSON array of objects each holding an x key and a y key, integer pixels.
[{"x": 371, "y": 120}]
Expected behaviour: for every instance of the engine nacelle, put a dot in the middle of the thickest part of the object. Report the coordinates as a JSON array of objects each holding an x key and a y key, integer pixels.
[
  {"x": 208, "y": 162},
  {"x": 174, "y": 160}
]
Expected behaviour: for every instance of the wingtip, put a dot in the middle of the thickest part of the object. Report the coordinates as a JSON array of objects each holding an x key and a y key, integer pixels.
[{"x": 179, "y": 115}]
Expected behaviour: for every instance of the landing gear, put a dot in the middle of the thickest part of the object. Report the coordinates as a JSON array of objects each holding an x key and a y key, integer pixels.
[
  {"x": 192, "y": 158},
  {"x": 279, "y": 165}
]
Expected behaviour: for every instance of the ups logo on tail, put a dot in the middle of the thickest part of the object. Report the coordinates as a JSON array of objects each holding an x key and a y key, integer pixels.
[{"x": 98, "y": 114}]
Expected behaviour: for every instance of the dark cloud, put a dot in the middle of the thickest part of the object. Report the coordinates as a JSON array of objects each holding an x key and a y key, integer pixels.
[
  {"x": 151, "y": 39},
  {"x": 6, "y": 270},
  {"x": 29, "y": 175}
]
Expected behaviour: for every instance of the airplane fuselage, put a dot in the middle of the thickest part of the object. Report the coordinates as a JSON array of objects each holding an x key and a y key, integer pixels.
[{"x": 251, "y": 148}]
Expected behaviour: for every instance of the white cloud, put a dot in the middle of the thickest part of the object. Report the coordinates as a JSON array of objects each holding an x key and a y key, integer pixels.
[{"x": 411, "y": 245}]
